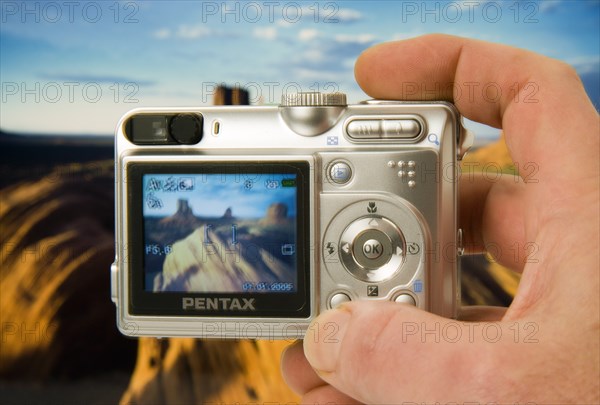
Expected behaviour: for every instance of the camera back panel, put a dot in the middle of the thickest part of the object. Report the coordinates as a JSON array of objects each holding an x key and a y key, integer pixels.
[{"x": 247, "y": 222}]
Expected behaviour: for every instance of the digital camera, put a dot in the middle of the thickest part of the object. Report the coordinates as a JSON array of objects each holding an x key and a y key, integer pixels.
[{"x": 249, "y": 221}]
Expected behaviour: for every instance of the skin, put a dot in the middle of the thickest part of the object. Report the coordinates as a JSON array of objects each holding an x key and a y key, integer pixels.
[{"x": 545, "y": 347}]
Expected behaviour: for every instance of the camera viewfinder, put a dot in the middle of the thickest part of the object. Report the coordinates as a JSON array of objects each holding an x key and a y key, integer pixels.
[{"x": 163, "y": 129}]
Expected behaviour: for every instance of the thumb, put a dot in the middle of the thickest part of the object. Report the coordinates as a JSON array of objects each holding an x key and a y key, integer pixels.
[{"x": 385, "y": 352}]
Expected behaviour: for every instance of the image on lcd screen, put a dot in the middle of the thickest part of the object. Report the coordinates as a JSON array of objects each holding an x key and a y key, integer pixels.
[{"x": 220, "y": 233}]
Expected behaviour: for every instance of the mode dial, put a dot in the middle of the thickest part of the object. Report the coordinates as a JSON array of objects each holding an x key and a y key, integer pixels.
[{"x": 312, "y": 113}]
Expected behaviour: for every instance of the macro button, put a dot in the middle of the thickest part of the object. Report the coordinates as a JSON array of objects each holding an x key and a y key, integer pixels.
[
  {"x": 338, "y": 299},
  {"x": 400, "y": 129}
]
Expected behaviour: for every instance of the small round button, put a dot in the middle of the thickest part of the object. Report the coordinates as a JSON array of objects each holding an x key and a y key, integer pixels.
[
  {"x": 372, "y": 249},
  {"x": 377, "y": 244},
  {"x": 338, "y": 299},
  {"x": 340, "y": 172},
  {"x": 405, "y": 299}
]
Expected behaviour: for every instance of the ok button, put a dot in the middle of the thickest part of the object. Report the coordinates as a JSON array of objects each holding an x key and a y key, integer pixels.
[{"x": 372, "y": 249}]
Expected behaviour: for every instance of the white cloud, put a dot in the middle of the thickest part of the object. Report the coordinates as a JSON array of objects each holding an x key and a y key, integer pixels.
[
  {"x": 162, "y": 33},
  {"x": 285, "y": 24},
  {"x": 585, "y": 64},
  {"x": 402, "y": 36},
  {"x": 324, "y": 13},
  {"x": 316, "y": 74},
  {"x": 308, "y": 34},
  {"x": 268, "y": 33},
  {"x": 346, "y": 15},
  {"x": 190, "y": 32},
  {"x": 549, "y": 5},
  {"x": 314, "y": 55},
  {"x": 355, "y": 39},
  {"x": 193, "y": 32}
]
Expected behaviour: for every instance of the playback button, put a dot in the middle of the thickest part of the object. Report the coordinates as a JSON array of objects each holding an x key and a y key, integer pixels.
[{"x": 340, "y": 172}]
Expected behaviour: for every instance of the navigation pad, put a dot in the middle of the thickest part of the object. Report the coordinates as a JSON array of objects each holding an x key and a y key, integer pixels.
[{"x": 372, "y": 248}]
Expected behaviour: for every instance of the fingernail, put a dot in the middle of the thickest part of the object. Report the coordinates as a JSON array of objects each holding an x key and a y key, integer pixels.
[{"x": 323, "y": 340}]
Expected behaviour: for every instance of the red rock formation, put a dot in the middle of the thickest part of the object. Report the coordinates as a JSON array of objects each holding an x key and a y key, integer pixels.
[{"x": 276, "y": 214}]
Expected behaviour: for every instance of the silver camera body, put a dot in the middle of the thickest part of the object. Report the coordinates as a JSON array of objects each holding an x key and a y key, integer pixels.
[{"x": 249, "y": 221}]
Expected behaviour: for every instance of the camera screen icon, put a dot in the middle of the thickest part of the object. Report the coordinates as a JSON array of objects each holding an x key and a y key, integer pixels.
[
  {"x": 186, "y": 184},
  {"x": 288, "y": 249}
]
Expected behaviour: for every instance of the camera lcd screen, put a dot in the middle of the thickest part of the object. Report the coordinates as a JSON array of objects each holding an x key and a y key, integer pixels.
[
  {"x": 213, "y": 232},
  {"x": 220, "y": 232}
]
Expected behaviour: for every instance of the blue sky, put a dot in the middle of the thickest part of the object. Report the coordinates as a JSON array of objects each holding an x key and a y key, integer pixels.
[
  {"x": 76, "y": 67},
  {"x": 212, "y": 194}
]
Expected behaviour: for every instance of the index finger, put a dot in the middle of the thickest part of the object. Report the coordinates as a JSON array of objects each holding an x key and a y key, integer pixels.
[{"x": 530, "y": 96}]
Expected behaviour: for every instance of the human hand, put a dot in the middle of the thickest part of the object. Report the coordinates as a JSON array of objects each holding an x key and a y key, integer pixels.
[{"x": 372, "y": 358}]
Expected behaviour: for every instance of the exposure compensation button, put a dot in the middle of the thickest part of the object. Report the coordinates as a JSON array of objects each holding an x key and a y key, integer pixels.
[{"x": 368, "y": 129}]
